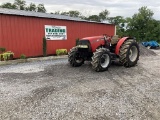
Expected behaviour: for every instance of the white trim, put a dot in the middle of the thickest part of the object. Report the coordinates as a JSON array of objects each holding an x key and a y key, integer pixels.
[{"x": 115, "y": 30}]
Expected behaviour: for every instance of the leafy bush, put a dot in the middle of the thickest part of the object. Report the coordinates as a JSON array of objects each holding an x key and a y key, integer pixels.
[
  {"x": 7, "y": 55},
  {"x": 23, "y": 56},
  {"x": 61, "y": 51},
  {"x": 2, "y": 49},
  {"x": 1, "y": 57}
]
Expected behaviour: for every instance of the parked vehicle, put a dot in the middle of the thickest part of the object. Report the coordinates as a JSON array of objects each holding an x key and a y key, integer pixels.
[{"x": 102, "y": 50}]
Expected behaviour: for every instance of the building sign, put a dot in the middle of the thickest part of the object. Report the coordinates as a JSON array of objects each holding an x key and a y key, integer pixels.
[{"x": 55, "y": 32}]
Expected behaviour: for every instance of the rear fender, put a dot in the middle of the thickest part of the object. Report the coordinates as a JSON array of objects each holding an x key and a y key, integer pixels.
[{"x": 119, "y": 44}]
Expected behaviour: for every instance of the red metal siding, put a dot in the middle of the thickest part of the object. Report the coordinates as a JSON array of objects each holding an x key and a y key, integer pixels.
[
  {"x": 23, "y": 35},
  {"x": 0, "y": 31}
]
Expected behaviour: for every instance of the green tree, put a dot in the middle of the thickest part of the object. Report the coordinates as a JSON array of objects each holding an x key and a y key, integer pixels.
[
  {"x": 120, "y": 23},
  {"x": 140, "y": 24},
  {"x": 41, "y": 8},
  {"x": 64, "y": 13},
  {"x": 154, "y": 32},
  {"x": 116, "y": 20},
  {"x": 57, "y": 13},
  {"x": 94, "y": 18},
  {"x": 103, "y": 15},
  {"x": 72, "y": 13},
  {"x": 20, "y": 4},
  {"x": 8, "y": 5},
  {"x": 31, "y": 7}
]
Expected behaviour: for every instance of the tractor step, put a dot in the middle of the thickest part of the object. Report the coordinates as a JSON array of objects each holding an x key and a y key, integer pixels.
[{"x": 113, "y": 56}]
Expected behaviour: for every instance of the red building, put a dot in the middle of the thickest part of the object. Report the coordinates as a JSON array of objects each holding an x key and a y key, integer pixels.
[{"x": 22, "y": 32}]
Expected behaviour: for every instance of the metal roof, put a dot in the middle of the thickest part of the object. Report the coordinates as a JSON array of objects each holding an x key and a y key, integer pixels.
[
  {"x": 36, "y": 14},
  {"x": 41, "y": 15}
]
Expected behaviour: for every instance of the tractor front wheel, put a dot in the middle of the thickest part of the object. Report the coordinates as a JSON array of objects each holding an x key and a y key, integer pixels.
[
  {"x": 101, "y": 60},
  {"x": 74, "y": 57},
  {"x": 129, "y": 53}
]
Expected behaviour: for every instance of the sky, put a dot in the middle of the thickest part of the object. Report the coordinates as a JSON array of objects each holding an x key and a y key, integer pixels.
[{"x": 125, "y": 8}]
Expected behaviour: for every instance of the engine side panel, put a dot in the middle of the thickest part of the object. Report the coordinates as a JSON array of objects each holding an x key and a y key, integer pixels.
[{"x": 95, "y": 42}]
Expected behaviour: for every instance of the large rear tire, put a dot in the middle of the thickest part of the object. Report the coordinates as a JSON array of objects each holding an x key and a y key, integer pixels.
[
  {"x": 74, "y": 57},
  {"x": 101, "y": 60},
  {"x": 129, "y": 53}
]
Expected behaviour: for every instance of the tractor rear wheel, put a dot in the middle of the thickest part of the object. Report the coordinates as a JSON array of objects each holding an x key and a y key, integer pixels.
[
  {"x": 74, "y": 57},
  {"x": 101, "y": 60},
  {"x": 129, "y": 53}
]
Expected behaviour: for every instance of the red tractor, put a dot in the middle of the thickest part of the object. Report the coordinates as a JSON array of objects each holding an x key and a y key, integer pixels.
[{"x": 103, "y": 50}]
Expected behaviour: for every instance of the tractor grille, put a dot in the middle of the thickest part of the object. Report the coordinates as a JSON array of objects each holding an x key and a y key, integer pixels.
[{"x": 85, "y": 42}]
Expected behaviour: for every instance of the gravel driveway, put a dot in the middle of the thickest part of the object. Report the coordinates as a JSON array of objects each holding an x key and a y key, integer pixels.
[{"x": 52, "y": 90}]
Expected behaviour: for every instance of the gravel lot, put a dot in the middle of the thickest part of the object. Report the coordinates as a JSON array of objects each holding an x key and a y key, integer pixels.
[{"x": 52, "y": 90}]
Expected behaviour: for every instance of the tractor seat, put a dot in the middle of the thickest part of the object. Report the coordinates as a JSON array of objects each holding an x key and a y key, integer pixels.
[{"x": 114, "y": 39}]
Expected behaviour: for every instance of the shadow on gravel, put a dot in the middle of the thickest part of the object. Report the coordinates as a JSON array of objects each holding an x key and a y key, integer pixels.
[{"x": 81, "y": 72}]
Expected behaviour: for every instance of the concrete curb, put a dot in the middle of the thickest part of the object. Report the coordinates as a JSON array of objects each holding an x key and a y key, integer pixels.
[{"x": 9, "y": 62}]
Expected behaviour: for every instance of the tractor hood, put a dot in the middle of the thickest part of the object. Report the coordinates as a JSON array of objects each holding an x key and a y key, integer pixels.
[
  {"x": 93, "y": 38},
  {"x": 94, "y": 42}
]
